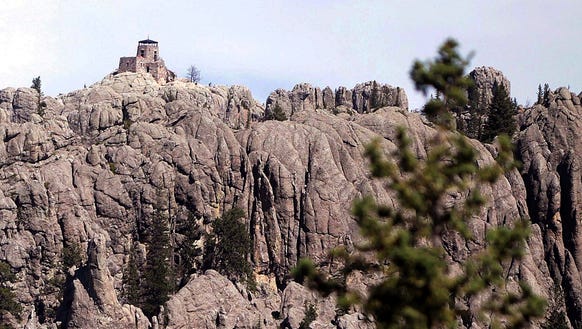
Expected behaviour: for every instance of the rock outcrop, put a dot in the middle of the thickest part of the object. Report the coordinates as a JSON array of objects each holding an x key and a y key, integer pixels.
[
  {"x": 484, "y": 80},
  {"x": 363, "y": 98},
  {"x": 94, "y": 167},
  {"x": 94, "y": 302},
  {"x": 546, "y": 144},
  {"x": 212, "y": 301}
]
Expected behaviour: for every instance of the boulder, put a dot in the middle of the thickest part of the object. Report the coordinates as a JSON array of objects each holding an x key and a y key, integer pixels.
[{"x": 211, "y": 301}]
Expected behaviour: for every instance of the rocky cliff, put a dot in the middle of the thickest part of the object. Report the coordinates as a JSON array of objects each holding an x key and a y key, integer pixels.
[
  {"x": 546, "y": 145},
  {"x": 89, "y": 169}
]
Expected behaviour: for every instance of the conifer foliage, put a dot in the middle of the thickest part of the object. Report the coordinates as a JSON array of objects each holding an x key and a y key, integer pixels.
[
  {"x": 36, "y": 85},
  {"x": 228, "y": 246},
  {"x": 418, "y": 288},
  {"x": 170, "y": 257},
  {"x": 277, "y": 113},
  {"x": 8, "y": 303},
  {"x": 158, "y": 278},
  {"x": 501, "y": 118},
  {"x": 132, "y": 279},
  {"x": 189, "y": 252},
  {"x": 446, "y": 75}
]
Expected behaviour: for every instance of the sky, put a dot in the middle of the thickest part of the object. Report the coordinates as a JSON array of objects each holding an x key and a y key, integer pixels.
[{"x": 272, "y": 44}]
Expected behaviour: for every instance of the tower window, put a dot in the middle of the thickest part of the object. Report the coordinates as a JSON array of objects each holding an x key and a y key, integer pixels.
[
  {"x": 148, "y": 69},
  {"x": 142, "y": 53},
  {"x": 155, "y": 55}
]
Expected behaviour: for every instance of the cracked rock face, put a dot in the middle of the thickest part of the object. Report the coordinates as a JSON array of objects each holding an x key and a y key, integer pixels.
[
  {"x": 363, "y": 98},
  {"x": 484, "y": 79},
  {"x": 547, "y": 145},
  {"x": 91, "y": 170}
]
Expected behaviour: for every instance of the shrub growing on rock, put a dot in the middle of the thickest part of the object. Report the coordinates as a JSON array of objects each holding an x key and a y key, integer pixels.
[
  {"x": 310, "y": 315},
  {"x": 71, "y": 256},
  {"x": 277, "y": 113}
]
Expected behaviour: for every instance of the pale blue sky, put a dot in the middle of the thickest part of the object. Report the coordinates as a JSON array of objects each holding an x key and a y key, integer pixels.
[{"x": 276, "y": 44}]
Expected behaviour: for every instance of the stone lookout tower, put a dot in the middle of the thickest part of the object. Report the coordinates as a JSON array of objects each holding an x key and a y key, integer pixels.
[{"x": 147, "y": 60}]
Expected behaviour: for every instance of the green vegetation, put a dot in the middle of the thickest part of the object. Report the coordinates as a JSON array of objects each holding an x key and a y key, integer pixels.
[
  {"x": 8, "y": 303},
  {"x": 158, "y": 277},
  {"x": 127, "y": 123},
  {"x": 402, "y": 243},
  {"x": 471, "y": 124},
  {"x": 277, "y": 113},
  {"x": 188, "y": 250},
  {"x": 170, "y": 259},
  {"x": 71, "y": 256},
  {"x": 543, "y": 95},
  {"x": 546, "y": 95},
  {"x": 228, "y": 246},
  {"x": 132, "y": 280},
  {"x": 501, "y": 118},
  {"x": 112, "y": 167},
  {"x": 55, "y": 286},
  {"x": 310, "y": 316},
  {"x": 36, "y": 85},
  {"x": 446, "y": 74}
]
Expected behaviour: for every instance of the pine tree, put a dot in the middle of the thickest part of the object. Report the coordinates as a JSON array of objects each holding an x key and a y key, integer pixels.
[
  {"x": 474, "y": 120},
  {"x": 418, "y": 289},
  {"x": 540, "y": 95},
  {"x": 228, "y": 247},
  {"x": 132, "y": 280},
  {"x": 158, "y": 278},
  {"x": 501, "y": 118},
  {"x": 188, "y": 250},
  {"x": 309, "y": 315},
  {"x": 36, "y": 85},
  {"x": 71, "y": 256},
  {"x": 446, "y": 75},
  {"x": 546, "y": 96}
]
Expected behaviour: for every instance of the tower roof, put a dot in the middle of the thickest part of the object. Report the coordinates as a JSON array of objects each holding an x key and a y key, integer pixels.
[{"x": 148, "y": 41}]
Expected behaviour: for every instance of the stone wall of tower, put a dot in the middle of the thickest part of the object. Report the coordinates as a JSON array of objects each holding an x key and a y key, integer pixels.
[
  {"x": 147, "y": 60},
  {"x": 149, "y": 52},
  {"x": 127, "y": 64}
]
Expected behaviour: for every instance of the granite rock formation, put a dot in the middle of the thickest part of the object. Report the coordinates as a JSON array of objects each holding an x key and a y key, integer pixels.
[
  {"x": 95, "y": 165},
  {"x": 484, "y": 80},
  {"x": 363, "y": 98},
  {"x": 546, "y": 145}
]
